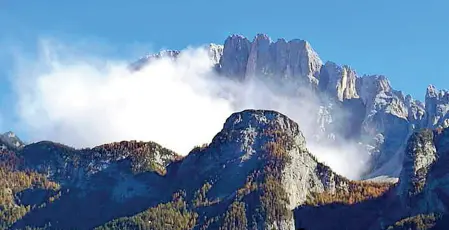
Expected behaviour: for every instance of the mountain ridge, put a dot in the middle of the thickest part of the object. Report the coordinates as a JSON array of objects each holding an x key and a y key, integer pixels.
[
  {"x": 174, "y": 53},
  {"x": 384, "y": 117},
  {"x": 257, "y": 172}
]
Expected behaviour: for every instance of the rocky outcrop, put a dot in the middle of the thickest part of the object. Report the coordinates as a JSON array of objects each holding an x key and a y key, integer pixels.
[
  {"x": 423, "y": 184},
  {"x": 416, "y": 111},
  {"x": 419, "y": 156},
  {"x": 9, "y": 140},
  {"x": 339, "y": 82},
  {"x": 436, "y": 192},
  {"x": 437, "y": 108},
  {"x": 386, "y": 122}
]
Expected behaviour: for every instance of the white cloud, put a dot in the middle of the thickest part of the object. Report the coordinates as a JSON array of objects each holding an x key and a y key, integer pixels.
[{"x": 84, "y": 100}]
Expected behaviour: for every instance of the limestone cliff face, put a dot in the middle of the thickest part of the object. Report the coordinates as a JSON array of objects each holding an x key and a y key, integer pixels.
[
  {"x": 339, "y": 82},
  {"x": 294, "y": 60},
  {"x": 386, "y": 118},
  {"x": 235, "y": 57}
]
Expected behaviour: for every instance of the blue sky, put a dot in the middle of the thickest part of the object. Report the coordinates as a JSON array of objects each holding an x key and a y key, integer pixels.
[{"x": 408, "y": 41}]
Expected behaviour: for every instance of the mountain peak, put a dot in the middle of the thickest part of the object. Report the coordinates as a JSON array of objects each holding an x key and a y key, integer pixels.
[
  {"x": 265, "y": 37},
  {"x": 250, "y": 140},
  {"x": 263, "y": 152},
  {"x": 236, "y": 39},
  {"x": 236, "y": 36},
  {"x": 10, "y": 134},
  {"x": 431, "y": 91},
  {"x": 11, "y": 140}
]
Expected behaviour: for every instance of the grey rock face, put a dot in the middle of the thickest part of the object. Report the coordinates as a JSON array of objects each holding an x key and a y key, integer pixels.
[
  {"x": 9, "y": 140},
  {"x": 423, "y": 183},
  {"x": 235, "y": 57},
  {"x": 395, "y": 117},
  {"x": 389, "y": 118},
  {"x": 419, "y": 156},
  {"x": 437, "y": 108},
  {"x": 436, "y": 190},
  {"x": 378, "y": 96},
  {"x": 338, "y": 81},
  {"x": 281, "y": 60},
  {"x": 416, "y": 111}
]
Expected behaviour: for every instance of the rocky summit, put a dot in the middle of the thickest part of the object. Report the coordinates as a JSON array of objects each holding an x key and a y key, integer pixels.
[{"x": 257, "y": 172}]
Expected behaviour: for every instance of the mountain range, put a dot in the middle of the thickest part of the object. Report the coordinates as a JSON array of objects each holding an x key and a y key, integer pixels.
[
  {"x": 381, "y": 117},
  {"x": 258, "y": 171}
]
